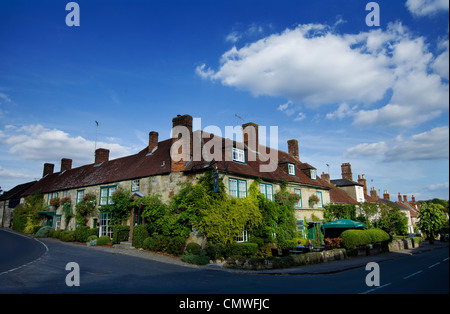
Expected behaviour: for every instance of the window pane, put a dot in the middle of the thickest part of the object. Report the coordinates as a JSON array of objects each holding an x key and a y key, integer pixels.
[
  {"x": 262, "y": 188},
  {"x": 233, "y": 188},
  {"x": 242, "y": 189},
  {"x": 269, "y": 192}
]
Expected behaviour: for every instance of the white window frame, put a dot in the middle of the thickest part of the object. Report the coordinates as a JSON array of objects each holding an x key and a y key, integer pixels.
[
  {"x": 104, "y": 225},
  {"x": 299, "y": 204},
  {"x": 320, "y": 203},
  {"x": 291, "y": 169},
  {"x": 80, "y": 196},
  {"x": 243, "y": 237},
  {"x": 238, "y": 155},
  {"x": 239, "y": 187},
  {"x": 267, "y": 190},
  {"x": 106, "y": 193},
  {"x": 313, "y": 173}
]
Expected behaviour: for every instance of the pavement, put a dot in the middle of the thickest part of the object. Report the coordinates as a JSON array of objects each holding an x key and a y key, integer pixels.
[{"x": 317, "y": 269}]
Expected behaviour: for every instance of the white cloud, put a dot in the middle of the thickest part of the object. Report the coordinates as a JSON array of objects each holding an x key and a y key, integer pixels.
[
  {"x": 343, "y": 111},
  {"x": 287, "y": 108},
  {"x": 300, "y": 116},
  {"x": 8, "y": 174},
  {"x": 35, "y": 142},
  {"x": 438, "y": 186},
  {"x": 426, "y": 7},
  {"x": 313, "y": 65},
  {"x": 430, "y": 145},
  {"x": 366, "y": 149},
  {"x": 308, "y": 64}
]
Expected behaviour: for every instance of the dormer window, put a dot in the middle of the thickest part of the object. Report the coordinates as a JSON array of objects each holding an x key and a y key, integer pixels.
[
  {"x": 313, "y": 174},
  {"x": 238, "y": 155},
  {"x": 291, "y": 169}
]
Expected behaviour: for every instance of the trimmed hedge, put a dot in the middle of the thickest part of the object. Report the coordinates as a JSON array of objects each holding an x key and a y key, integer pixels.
[
  {"x": 68, "y": 236},
  {"x": 103, "y": 240},
  {"x": 241, "y": 249},
  {"x": 353, "y": 238},
  {"x": 140, "y": 233}
]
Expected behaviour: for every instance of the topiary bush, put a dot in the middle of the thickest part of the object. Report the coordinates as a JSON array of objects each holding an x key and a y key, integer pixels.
[
  {"x": 176, "y": 246},
  {"x": 43, "y": 232},
  {"x": 67, "y": 236},
  {"x": 353, "y": 238},
  {"x": 378, "y": 235},
  {"x": 192, "y": 248},
  {"x": 103, "y": 240},
  {"x": 241, "y": 249}
]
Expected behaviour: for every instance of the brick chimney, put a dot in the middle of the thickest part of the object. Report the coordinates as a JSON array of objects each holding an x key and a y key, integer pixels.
[
  {"x": 373, "y": 193},
  {"x": 250, "y": 133},
  {"x": 362, "y": 180},
  {"x": 386, "y": 195},
  {"x": 405, "y": 198},
  {"x": 152, "y": 141},
  {"x": 101, "y": 155},
  {"x": 413, "y": 199},
  {"x": 399, "y": 197},
  {"x": 66, "y": 164},
  {"x": 181, "y": 125},
  {"x": 326, "y": 177},
  {"x": 48, "y": 169},
  {"x": 293, "y": 148},
  {"x": 347, "y": 171}
]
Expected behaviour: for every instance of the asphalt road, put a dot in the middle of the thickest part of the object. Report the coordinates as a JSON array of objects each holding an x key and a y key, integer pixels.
[{"x": 106, "y": 272}]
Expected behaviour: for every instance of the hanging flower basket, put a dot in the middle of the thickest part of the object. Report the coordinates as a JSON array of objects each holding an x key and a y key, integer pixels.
[{"x": 313, "y": 200}]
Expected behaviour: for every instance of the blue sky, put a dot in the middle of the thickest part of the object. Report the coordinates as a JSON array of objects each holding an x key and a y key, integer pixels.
[{"x": 376, "y": 97}]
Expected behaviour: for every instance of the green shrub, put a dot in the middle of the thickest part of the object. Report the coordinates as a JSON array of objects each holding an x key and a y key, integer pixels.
[
  {"x": 353, "y": 238},
  {"x": 120, "y": 233},
  {"x": 378, "y": 235},
  {"x": 67, "y": 236},
  {"x": 176, "y": 246},
  {"x": 148, "y": 244},
  {"x": 82, "y": 233},
  {"x": 213, "y": 251},
  {"x": 193, "y": 248},
  {"x": 196, "y": 259},
  {"x": 55, "y": 233},
  {"x": 43, "y": 232},
  {"x": 140, "y": 233},
  {"x": 91, "y": 238},
  {"x": 241, "y": 249},
  {"x": 103, "y": 240}
]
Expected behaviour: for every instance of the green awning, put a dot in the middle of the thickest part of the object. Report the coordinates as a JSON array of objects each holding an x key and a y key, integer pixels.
[
  {"x": 344, "y": 224},
  {"x": 47, "y": 213}
]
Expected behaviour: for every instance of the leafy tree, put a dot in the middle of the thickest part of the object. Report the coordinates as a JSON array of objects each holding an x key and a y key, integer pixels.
[
  {"x": 367, "y": 212},
  {"x": 339, "y": 211},
  {"x": 431, "y": 220},
  {"x": 392, "y": 220},
  {"x": 27, "y": 214}
]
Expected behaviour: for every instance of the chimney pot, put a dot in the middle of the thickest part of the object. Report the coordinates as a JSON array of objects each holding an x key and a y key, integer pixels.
[
  {"x": 66, "y": 164},
  {"x": 48, "y": 169},
  {"x": 386, "y": 195},
  {"x": 326, "y": 177},
  {"x": 101, "y": 155},
  {"x": 293, "y": 148}
]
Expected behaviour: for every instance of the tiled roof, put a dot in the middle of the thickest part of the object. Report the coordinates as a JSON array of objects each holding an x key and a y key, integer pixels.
[
  {"x": 17, "y": 191},
  {"x": 130, "y": 167},
  {"x": 338, "y": 196},
  {"x": 252, "y": 168}
]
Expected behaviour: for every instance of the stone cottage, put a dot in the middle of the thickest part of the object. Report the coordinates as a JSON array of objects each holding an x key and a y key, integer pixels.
[{"x": 159, "y": 167}]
